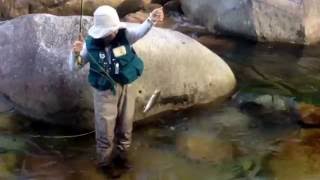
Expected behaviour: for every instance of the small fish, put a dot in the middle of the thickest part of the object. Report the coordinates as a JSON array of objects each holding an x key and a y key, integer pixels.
[{"x": 152, "y": 101}]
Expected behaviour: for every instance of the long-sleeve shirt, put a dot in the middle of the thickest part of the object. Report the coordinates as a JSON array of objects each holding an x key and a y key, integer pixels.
[{"x": 133, "y": 34}]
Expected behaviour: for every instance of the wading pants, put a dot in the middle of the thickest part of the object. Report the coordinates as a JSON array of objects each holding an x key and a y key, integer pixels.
[{"x": 113, "y": 121}]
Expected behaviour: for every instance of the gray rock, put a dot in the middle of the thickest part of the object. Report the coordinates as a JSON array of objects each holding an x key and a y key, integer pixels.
[
  {"x": 269, "y": 109},
  {"x": 35, "y": 76},
  {"x": 293, "y": 21}
]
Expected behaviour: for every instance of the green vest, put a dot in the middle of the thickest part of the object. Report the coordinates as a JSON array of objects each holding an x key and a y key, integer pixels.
[{"x": 119, "y": 65}]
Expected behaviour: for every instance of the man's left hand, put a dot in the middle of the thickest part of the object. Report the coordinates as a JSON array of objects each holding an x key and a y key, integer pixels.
[{"x": 157, "y": 15}]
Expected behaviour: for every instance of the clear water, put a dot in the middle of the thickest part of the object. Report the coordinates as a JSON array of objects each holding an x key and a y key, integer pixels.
[{"x": 215, "y": 143}]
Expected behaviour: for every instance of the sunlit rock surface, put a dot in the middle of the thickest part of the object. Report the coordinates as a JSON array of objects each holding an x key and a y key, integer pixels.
[{"x": 290, "y": 21}]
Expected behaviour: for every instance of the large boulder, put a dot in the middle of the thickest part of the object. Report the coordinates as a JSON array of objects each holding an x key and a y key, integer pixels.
[
  {"x": 293, "y": 21},
  {"x": 14, "y": 8},
  {"x": 35, "y": 76}
]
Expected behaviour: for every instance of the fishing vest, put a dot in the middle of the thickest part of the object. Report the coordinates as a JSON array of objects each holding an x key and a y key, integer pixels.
[{"x": 119, "y": 65}]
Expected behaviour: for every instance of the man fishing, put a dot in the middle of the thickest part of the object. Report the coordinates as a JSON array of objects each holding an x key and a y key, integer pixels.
[{"x": 113, "y": 66}]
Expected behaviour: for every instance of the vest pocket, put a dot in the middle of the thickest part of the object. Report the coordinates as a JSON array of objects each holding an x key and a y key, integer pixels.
[
  {"x": 128, "y": 58},
  {"x": 123, "y": 61},
  {"x": 131, "y": 71},
  {"x": 99, "y": 82}
]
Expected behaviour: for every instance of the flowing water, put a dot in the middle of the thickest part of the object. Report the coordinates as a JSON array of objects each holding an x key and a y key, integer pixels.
[{"x": 232, "y": 141}]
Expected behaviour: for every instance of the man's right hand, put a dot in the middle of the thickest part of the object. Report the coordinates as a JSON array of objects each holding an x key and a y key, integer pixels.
[{"x": 77, "y": 45}]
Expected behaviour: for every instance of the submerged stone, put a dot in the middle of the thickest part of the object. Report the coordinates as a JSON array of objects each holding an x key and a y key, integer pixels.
[
  {"x": 299, "y": 158},
  {"x": 204, "y": 147},
  {"x": 310, "y": 114}
]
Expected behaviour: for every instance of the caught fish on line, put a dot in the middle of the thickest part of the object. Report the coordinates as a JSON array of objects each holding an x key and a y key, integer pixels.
[{"x": 152, "y": 101}]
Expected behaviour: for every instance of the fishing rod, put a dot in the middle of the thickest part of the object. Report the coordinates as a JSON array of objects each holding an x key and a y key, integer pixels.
[
  {"x": 79, "y": 60},
  {"x": 81, "y": 15}
]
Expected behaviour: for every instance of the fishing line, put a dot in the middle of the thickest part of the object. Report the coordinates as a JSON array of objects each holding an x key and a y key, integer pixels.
[
  {"x": 7, "y": 111},
  {"x": 60, "y": 136}
]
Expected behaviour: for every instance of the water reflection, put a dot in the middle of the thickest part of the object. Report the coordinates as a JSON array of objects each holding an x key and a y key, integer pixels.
[
  {"x": 258, "y": 140},
  {"x": 215, "y": 144}
]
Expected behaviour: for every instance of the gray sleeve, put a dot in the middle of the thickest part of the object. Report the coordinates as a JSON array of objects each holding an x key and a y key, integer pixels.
[
  {"x": 84, "y": 54},
  {"x": 135, "y": 33},
  {"x": 73, "y": 58}
]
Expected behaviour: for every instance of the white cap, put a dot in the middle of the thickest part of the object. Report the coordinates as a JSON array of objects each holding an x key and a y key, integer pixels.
[{"x": 106, "y": 20}]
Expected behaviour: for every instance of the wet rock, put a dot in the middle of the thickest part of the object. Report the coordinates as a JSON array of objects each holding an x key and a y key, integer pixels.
[
  {"x": 310, "y": 114},
  {"x": 275, "y": 102},
  {"x": 36, "y": 79},
  {"x": 268, "y": 109},
  {"x": 269, "y": 20},
  {"x": 310, "y": 64},
  {"x": 267, "y": 101},
  {"x": 204, "y": 148}
]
